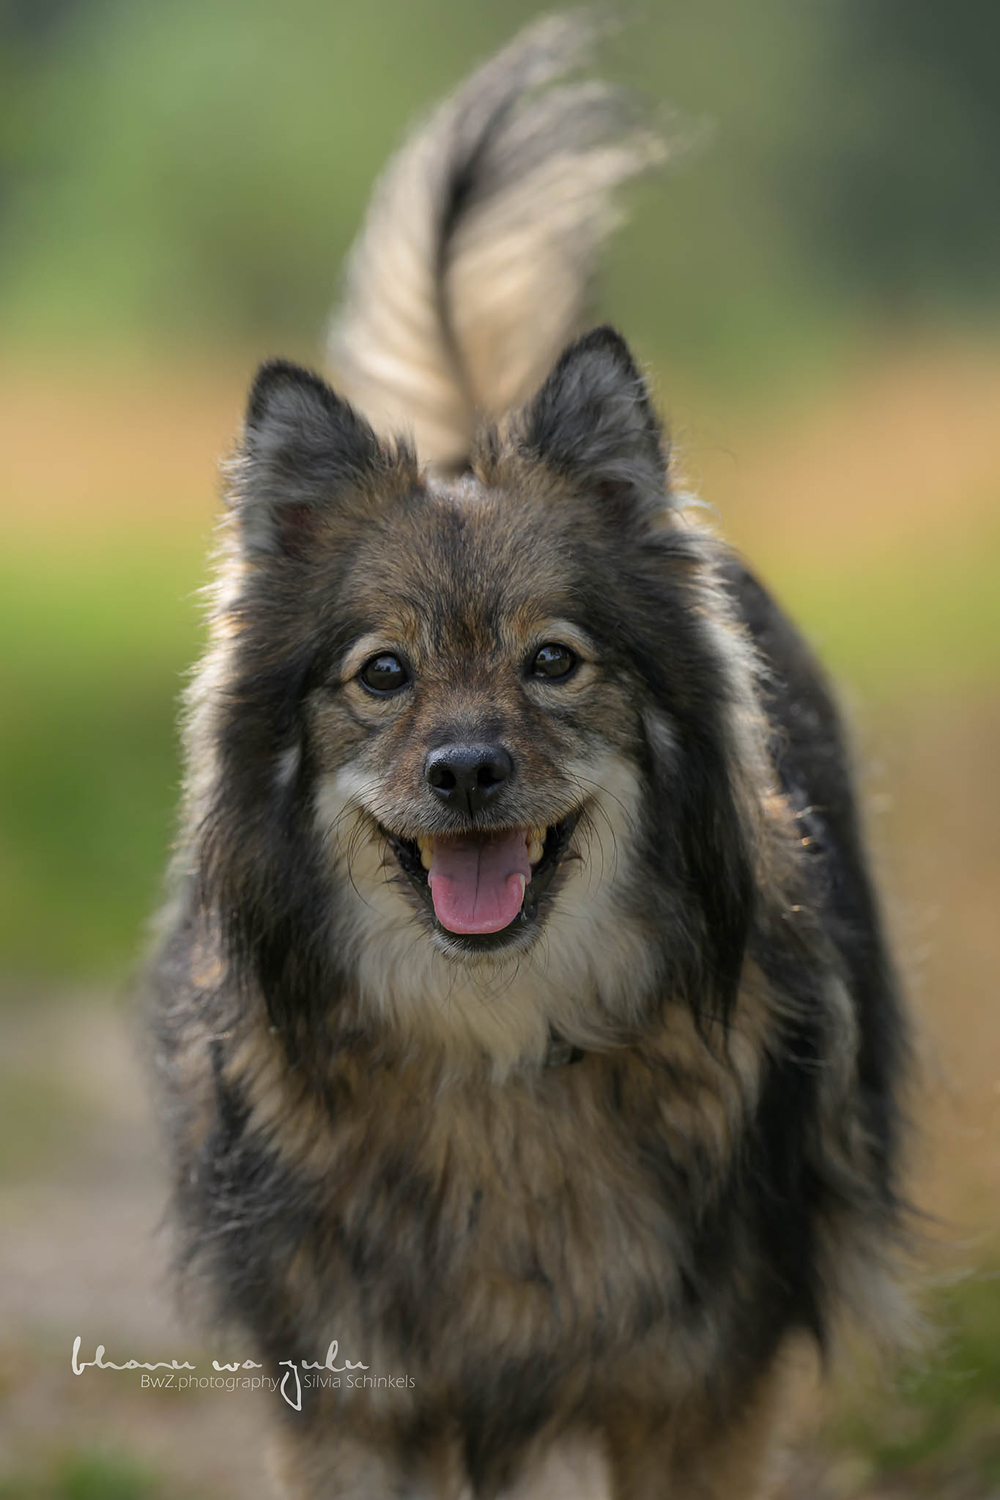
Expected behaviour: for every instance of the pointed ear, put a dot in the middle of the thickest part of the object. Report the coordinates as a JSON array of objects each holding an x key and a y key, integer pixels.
[
  {"x": 593, "y": 421},
  {"x": 303, "y": 447}
]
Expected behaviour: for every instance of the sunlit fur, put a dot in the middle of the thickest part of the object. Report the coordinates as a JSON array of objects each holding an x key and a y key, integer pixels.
[
  {"x": 594, "y": 1191},
  {"x": 475, "y": 260}
]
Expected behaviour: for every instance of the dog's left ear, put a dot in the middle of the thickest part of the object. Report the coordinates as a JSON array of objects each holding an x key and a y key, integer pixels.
[{"x": 593, "y": 421}]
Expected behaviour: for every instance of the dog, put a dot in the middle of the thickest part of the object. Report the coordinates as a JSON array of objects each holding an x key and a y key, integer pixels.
[{"x": 530, "y": 1045}]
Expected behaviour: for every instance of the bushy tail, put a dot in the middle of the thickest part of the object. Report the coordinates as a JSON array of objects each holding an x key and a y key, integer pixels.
[{"x": 472, "y": 268}]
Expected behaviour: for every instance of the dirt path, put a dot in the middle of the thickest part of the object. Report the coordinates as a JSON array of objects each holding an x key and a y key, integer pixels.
[{"x": 81, "y": 1254}]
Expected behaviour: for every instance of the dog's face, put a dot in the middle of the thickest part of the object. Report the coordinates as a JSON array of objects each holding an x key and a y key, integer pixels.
[
  {"x": 470, "y": 716},
  {"x": 480, "y": 718}
]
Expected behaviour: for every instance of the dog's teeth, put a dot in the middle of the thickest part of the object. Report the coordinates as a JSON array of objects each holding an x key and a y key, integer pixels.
[
  {"x": 425, "y": 843},
  {"x": 534, "y": 851}
]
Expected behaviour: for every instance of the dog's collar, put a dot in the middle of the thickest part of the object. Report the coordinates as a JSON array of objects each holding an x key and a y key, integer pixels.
[{"x": 561, "y": 1052}]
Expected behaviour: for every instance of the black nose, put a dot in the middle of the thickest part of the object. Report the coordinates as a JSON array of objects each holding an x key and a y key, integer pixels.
[{"x": 466, "y": 776}]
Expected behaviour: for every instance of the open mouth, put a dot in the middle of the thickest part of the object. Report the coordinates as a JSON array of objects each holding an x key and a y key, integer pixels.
[{"x": 483, "y": 887}]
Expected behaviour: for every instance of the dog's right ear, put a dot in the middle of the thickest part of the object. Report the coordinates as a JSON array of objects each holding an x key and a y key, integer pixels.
[
  {"x": 593, "y": 421},
  {"x": 304, "y": 451}
]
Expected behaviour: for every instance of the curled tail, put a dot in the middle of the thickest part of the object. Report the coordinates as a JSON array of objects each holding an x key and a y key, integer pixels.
[{"x": 472, "y": 269}]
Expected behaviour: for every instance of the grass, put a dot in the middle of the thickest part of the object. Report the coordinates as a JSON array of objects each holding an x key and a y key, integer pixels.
[
  {"x": 88, "y": 757},
  {"x": 88, "y": 1475},
  {"x": 937, "y": 1420},
  {"x": 926, "y": 616}
]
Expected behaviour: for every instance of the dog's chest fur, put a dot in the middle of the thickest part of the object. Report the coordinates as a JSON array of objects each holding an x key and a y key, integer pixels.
[{"x": 540, "y": 1228}]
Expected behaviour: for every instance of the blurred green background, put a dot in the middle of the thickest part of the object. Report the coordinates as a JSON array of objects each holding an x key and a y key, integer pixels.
[{"x": 815, "y": 285}]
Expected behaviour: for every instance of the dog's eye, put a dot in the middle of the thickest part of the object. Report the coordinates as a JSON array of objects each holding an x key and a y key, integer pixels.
[
  {"x": 553, "y": 662},
  {"x": 384, "y": 673}
]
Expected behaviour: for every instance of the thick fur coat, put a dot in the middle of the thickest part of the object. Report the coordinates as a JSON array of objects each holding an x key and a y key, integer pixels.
[{"x": 572, "y": 1154}]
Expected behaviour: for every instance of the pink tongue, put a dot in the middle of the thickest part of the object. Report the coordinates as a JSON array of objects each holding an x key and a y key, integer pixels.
[{"x": 477, "y": 885}]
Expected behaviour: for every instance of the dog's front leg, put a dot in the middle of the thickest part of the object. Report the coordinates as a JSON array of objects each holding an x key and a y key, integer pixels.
[
  {"x": 332, "y": 1462},
  {"x": 689, "y": 1454}
]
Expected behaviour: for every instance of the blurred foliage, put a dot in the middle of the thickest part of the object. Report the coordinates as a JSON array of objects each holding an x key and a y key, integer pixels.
[
  {"x": 88, "y": 1475},
  {"x": 916, "y": 620},
  {"x": 198, "y": 169},
  {"x": 935, "y": 1424},
  {"x": 903, "y": 145},
  {"x": 88, "y": 765}
]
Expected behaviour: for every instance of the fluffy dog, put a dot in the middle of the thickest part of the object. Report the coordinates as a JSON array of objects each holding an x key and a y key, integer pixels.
[{"x": 522, "y": 1005}]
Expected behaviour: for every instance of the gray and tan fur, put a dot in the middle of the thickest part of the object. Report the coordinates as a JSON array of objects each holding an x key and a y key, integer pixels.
[{"x": 592, "y": 1179}]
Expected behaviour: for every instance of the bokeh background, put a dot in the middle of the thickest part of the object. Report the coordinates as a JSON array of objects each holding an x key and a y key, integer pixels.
[{"x": 815, "y": 285}]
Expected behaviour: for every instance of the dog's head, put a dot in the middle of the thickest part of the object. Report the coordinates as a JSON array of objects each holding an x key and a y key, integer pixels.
[{"x": 479, "y": 720}]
